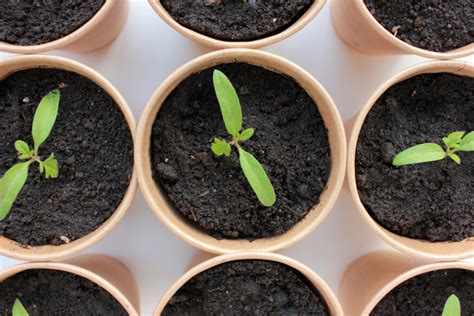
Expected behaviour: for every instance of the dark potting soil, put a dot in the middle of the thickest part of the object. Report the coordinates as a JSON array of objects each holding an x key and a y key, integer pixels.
[
  {"x": 34, "y": 22},
  {"x": 247, "y": 287},
  {"x": 52, "y": 292},
  {"x": 92, "y": 143},
  {"x": 429, "y": 201},
  {"x": 237, "y": 20},
  {"x": 290, "y": 141},
  {"x": 434, "y": 25},
  {"x": 427, "y": 293}
]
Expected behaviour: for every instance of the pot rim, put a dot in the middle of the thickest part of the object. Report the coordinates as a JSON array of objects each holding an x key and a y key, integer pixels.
[
  {"x": 76, "y": 270},
  {"x": 453, "y": 54},
  {"x": 179, "y": 225},
  {"x": 209, "y": 41},
  {"x": 65, "y": 40},
  {"x": 441, "y": 251},
  {"x": 318, "y": 283},
  {"x": 11, "y": 248}
]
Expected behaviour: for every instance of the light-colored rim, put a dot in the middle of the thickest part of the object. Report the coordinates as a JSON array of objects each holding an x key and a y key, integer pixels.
[
  {"x": 66, "y": 40},
  {"x": 176, "y": 222},
  {"x": 411, "y": 274},
  {"x": 212, "y": 42},
  {"x": 457, "y": 53},
  {"x": 46, "y": 253},
  {"x": 70, "y": 268},
  {"x": 444, "y": 251},
  {"x": 317, "y": 282}
]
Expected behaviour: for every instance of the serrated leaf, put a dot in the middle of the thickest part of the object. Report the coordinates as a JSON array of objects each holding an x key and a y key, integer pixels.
[
  {"x": 51, "y": 167},
  {"x": 257, "y": 178},
  {"x": 45, "y": 117},
  {"x": 41, "y": 166},
  {"x": 220, "y": 147},
  {"x": 246, "y": 134},
  {"x": 22, "y": 147},
  {"x": 10, "y": 186},
  {"x": 18, "y": 309},
  {"x": 456, "y": 137},
  {"x": 420, "y": 154},
  {"x": 455, "y": 157},
  {"x": 452, "y": 307},
  {"x": 24, "y": 156},
  {"x": 229, "y": 103},
  {"x": 467, "y": 143}
]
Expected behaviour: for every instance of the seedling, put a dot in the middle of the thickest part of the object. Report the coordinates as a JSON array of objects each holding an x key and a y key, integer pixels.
[
  {"x": 18, "y": 309},
  {"x": 15, "y": 178},
  {"x": 457, "y": 141},
  {"x": 232, "y": 115},
  {"x": 452, "y": 307}
]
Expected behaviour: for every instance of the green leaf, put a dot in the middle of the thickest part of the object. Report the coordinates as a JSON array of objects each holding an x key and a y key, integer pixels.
[
  {"x": 452, "y": 307},
  {"x": 51, "y": 167},
  {"x": 22, "y": 147},
  {"x": 221, "y": 147},
  {"x": 18, "y": 309},
  {"x": 419, "y": 154},
  {"x": 257, "y": 178},
  {"x": 45, "y": 117},
  {"x": 455, "y": 157},
  {"x": 228, "y": 102},
  {"x": 246, "y": 134},
  {"x": 10, "y": 186},
  {"x": 453, "y": 139},
  {"x": 467, "y": 143}
]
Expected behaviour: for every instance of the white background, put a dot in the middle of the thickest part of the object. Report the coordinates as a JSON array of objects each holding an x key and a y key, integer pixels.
[{"x": 144, "y": 54}]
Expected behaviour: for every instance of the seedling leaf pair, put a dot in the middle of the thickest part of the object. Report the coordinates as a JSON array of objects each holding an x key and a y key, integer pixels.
[
  {"x": 15, "y": 178},
  {"x": 18, "y": 309},
  {"x": 231, "y": 111},
  {"x": 452, "y": 307},
  {"x": 430, "y": 152}
]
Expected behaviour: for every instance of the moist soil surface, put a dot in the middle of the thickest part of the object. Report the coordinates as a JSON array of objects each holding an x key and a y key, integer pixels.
[
  {"x": 52, "y": 292},
  {"x": 248, "y": 287},
  {"x": 236, "y": 20},
  {"x": 434, "y": 25},
  {"x": 290, "y": 141},
  {"x": 426, "y": 294},
  {"x": 92, "y": 143},
  {"x": 34, "y": 22},
  {"x": 430, "y": 201}
]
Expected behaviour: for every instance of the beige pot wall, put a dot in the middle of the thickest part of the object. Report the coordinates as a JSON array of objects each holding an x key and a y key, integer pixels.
[
  {"x": 318, "y": 283},
  {"x": 371, "y": 277},
  {"x": 440, "y": 251},
  {"x": 46, "y": 253},
  {"x": 99, "y": 31},
  {"x": 218, "y": 44},
  {"x": 175, "y": 221},
  {"x": 356, "y": 26},
  {"x": 105, "y": 271}
]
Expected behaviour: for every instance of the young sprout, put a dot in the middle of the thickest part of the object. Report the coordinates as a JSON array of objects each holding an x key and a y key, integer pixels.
[
  {"x": 457, "y": 141},
  {"x": 232, "y": 115},
  {"x": 452, "y": 307},
  {"x": 18, "y": 309},
  {"x": 15, "y": 178}
]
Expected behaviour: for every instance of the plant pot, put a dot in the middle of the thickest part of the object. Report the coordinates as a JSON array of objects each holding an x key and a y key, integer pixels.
[
  {"x": 184, "y": 227},
  {"x": 313, "y": 279},
  {"x": 97, "y": 32},
  {"x": 104, "y": 219},
  {"x": 381, "y": 272},
  {"x": 358, "y": 28},
  {"x": 449, "y": 249},
  {"x": 256, "y": 43},
  {"x": 106, "y": 272}
]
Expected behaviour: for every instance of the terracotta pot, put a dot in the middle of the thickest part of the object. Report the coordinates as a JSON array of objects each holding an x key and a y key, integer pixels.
[
  {"x": 318, "y": 283},
  {"x": 107, "y": 272},
  {"x": 157, "y": 199},
  {"x": 216, "y": 43},
  {"x": 99, "y": 31},
  {"x": 358, "y": 28},
  {"x": 371, "y": 277},
  {"x": 46, "y": 253},
  {"x": 440, "y": 251}
]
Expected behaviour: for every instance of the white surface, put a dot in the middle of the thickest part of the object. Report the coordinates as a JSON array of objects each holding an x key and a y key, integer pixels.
[{"x": 145, "y": 53}]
